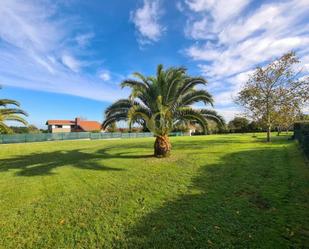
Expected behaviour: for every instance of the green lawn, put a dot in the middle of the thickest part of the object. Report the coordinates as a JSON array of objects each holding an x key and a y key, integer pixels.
[{"x": 225, "y": 191}]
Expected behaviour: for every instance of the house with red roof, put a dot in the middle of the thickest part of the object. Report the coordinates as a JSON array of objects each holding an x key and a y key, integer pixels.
[{"x": 76, "y": 125}]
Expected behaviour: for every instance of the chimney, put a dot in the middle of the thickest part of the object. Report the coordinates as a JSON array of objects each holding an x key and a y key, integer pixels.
[{"x": 77, "y": 120}]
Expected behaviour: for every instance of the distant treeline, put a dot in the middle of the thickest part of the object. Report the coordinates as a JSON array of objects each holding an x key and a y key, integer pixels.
[
  {"x": 243, "y": 125},
  {"x": 236, "y": 125},
  {"x": 31, "y": 129}
]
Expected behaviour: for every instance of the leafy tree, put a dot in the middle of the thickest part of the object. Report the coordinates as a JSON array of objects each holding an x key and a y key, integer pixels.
[
  {"x": 44, "y": 131},
  {"x": 285, "y": 116},
  {"x": 25, "y": 129},
  {"x": 161, "y": 102},
  {"x": 239, "y": 124},
  {"x": 33, "y": 129},
  {"x": 254, "y": 126},
  {"x": 19, "y": 129},
  {"x": 9, "y": 113},
  {"x": 271, "y": 87},
  {"x": 112, "y": 127},
  {"x": 213, "y": 127},
  {"x": 303, "y": 117}
]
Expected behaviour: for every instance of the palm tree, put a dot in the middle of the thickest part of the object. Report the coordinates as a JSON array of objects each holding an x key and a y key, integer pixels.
[
  {"x": 10, "y": 114},
  {"x": 162, "y": 102}
]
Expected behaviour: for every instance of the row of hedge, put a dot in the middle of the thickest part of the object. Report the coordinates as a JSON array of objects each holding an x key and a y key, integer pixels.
[{"x": 301, "y": 133}]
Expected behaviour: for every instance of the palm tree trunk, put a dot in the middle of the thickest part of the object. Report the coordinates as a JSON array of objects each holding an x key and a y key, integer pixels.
[{"x": 162, "y": 146}]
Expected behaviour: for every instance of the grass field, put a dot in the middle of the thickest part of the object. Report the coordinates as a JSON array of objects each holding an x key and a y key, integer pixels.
[{"x": 225, "y": 191}]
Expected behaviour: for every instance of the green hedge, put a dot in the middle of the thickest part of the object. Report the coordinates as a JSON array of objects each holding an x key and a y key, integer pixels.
[{"x": 301, "y": 133}]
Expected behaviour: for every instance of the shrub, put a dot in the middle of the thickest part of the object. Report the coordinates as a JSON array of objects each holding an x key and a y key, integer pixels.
[
  {"x": 305, "y": 145},
  {"x": 301, "y": 133}
]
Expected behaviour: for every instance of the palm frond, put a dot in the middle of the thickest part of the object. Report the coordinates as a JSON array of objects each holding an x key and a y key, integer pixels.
[
  {"x": 115, "y": 118},
  {"x": 190, "y": 83},
  {"x": 122, "y": 104},
  {"x": 5, "y": 102},
  {"x": 134, "y": 84},
  {"x": 8, "y": 111},
  {"x": 13, "y": 117},
  {"x": 138, "y": 113},
  {"x": 141, "y": 77},
  {"x": 192, "y": 115},
  {"x": 176, "y": 80},
  {"x": 4, "y": 128},
  {"x": 197, "y": 96},
  {"x": 213, "y": 115},
  {"x": 159, "y": 70}
]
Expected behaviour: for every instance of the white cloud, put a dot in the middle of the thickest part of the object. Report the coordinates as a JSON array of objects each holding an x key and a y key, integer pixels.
[
  {"x": 179, "y": 6},
  {"x": 220, "y": 10},
  {"x": 36, "y": 51},
  {"x": 243, "y": 40},
  {"x": 32, "y": 76},
  {"x": 200, "y": 5},
  {"x": 146, "y": 20},
  {"x": 305, "y": 61},
  {"x": 84, "y": 39},
  {"x": 243, "y": 56},
  {"x": 226, "y": 95},
  {"x": 28, "y": 27},
  {"x": 25, "y": 27},
  {"x": 200, "y": 30},
  {"x": 71, "y": 62},
  {"x": 207, "y": 52},
  {"x": 105, "y": 75},
  {"x": 228, "y": 112},
  {"x": 224, "y": 98},
  {"x": 268, "y": 32},
  {"x": 276, "y": 19}
]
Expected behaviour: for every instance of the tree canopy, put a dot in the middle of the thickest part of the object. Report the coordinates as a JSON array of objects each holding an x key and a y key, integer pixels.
[
  {"x": 239, "y": 124},
  {"x": 271, "y": 88}
]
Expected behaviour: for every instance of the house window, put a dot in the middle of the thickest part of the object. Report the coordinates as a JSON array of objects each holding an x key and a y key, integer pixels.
[{"x": 58, "y": 126}]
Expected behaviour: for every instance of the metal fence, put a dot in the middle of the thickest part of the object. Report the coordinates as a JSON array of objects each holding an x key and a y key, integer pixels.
[{"x": 41, "y": 137}]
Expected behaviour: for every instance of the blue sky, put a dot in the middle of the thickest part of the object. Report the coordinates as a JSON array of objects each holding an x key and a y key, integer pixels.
[{"x": 66, "y": 58}]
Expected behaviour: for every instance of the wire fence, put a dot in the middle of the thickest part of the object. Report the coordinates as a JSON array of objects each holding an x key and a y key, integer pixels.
[{"x": 41, "y": 137}]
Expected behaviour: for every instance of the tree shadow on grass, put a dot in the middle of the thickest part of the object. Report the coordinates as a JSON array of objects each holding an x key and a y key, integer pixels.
[
  {"x": 109, "y": 153},
  {"x": 43, "y": 163},
  {"x": 275, "y": 139},
  {"x": 238, "y": 202}
]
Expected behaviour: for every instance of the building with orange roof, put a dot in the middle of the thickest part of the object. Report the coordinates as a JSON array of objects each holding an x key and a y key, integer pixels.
[{"x": 77, "y": 125}]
